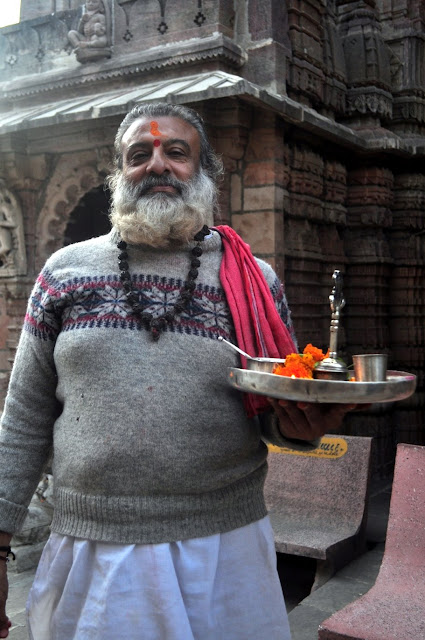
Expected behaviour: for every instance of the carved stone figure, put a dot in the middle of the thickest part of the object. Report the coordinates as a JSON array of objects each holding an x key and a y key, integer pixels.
[
  {"x": 12, "y": 247},
  {"x": 92, "y": 40}
]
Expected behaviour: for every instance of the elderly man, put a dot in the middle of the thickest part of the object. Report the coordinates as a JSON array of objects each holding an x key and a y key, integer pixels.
[{"x": 160, "y": 529}]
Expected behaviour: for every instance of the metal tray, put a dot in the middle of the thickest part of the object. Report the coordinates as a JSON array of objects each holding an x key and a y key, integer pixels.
[{"x": 398, "y": 386}]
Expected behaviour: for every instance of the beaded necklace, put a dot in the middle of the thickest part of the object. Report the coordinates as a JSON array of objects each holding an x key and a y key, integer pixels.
[{"x": 157, "y": 324}]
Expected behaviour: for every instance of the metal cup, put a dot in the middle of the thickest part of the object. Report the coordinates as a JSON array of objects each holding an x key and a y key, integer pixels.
[{"x": 370, "y": 367}]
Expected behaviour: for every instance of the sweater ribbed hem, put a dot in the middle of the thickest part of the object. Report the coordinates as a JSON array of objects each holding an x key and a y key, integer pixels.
[{"x": 156, "y": 519}]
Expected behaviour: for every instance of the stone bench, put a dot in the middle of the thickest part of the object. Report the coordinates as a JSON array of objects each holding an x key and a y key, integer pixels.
[
  {"x": 394, "y": 608},
  {"x": 317, "y": 501}
]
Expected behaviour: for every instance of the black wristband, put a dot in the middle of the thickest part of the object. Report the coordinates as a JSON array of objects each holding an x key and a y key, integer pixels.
[{"x": 9, "y": 552}]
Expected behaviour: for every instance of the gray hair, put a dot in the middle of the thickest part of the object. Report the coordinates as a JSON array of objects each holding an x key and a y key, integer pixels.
[{"x": 210, "y": 161}]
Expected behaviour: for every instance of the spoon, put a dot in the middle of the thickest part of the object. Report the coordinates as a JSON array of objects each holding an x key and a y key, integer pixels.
[
  {"x": 233, "y": 346},
  {"x": 265, "y": 365}
]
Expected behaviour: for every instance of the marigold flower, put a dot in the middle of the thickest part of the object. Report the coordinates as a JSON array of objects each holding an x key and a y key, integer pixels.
[
  {"x": 300, "y": 365},
  {"x": 316, "y": 353}
]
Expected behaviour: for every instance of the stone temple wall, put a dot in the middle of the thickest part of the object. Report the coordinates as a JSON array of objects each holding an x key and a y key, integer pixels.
[
  {"x": 323, "y": 141},
  {"x": 338, "y": 211}
]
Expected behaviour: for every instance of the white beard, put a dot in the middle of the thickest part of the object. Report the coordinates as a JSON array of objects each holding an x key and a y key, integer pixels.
[{"x": 162, "y": 219}]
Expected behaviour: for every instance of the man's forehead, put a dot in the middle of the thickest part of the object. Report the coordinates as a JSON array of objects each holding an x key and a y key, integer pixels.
[{"x": 162, "y": 126}]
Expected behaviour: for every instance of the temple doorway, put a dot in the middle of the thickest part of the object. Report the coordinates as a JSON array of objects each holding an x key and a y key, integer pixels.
[{"x": 90, "y": 217}]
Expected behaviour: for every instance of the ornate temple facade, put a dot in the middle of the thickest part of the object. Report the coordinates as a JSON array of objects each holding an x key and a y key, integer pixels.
[{"x": 318, "y": 110}]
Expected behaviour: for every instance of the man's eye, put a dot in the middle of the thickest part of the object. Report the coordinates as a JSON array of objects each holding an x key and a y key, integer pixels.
[
  {"x": 140, "y": 155},
  {"x": 176, "y": 152}
]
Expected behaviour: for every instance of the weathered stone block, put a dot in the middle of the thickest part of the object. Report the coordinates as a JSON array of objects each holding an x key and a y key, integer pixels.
[
  {"x": 235, "y": 193},
  {"x": 258, "y": 198},
  {"x": 268, "y": 20},
  {"x": 258, "y": 230},
  {"x": 263, "y": 173}
]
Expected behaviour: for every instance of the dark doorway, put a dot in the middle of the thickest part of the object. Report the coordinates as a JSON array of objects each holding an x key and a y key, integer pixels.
[{"x": 90, "y": 217}]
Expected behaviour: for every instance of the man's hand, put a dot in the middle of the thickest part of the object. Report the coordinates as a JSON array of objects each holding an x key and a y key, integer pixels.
[
  {"x": 308, "y": 420},
  {"x": 5, "y": 623}
]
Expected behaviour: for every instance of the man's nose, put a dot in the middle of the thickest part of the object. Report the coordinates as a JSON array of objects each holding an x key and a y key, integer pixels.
[{"x": 158, "y": 162}]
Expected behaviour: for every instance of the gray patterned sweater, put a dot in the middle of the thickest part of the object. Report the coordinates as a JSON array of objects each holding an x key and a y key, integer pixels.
[{"x": 150, "y": 442}]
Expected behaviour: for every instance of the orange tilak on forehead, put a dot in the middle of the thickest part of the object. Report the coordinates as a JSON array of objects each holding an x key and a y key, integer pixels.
[{"x": 155, "y": 132}]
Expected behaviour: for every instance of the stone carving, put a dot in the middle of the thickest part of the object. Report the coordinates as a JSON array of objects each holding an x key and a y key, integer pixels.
[
  {"x": 67, "y": 186},
  {"x": 335, "y": 175},
  {"x": 410, "y": 109},
  {"x": 104, "y": 157},
  {"x": 127, "y": 6},
  {"x": 200, "y": 17},
  {"x": 396, "y": 69},
  {"x": 302, "y": 239},
  {"x": 334, "y": 88},
  {"x": 367, "y": 59},
  {"x": 367, "y": 100},
  {"x": 163, "y": 26},
  {"x": 334, "y": 213},
  {"x": 12, "y": 243},
  {"x": 92, "y": 40},
  {"x": 335, "y": 193},
  {"x": 367, "y": 246},
  {"x": 409, "y": 202},
  {"x": 307, "y": 173}
]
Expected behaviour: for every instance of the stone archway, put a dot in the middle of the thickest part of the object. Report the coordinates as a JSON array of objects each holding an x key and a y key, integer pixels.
[
  {"x": 76, "y": 183},
  {"x": 71, "y": 181},
  {"x": 90, "y": 217}
]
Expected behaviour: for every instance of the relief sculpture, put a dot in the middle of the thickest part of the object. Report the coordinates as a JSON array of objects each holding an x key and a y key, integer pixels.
[
  {"x": 12, "y": 246},
  {"x": 92, "y": 39}
]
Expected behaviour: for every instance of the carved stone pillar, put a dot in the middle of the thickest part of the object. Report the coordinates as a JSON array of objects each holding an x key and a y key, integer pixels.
[
  {"x": 334, "y": 95},
  {"x": 266, "y": 39},
  {"x": 12, "y": 265},
  {"x": 257, "y": 186},
  {"x": 306, "y": 33},
  {"x": 366, "y": 245},
  {"x": 228, "y": 125},
  {"x": 17, "y": 287},
  {"x": 308, "y": 236},
  {"x": 407, "y": 329},
  {"x": 12, "y": 243},
  {"x": 368, "y": 273},
  {"x": 403, "y": 25},
  {"x": 367, "y": 60},
  {"x": 13, "y": 280}
]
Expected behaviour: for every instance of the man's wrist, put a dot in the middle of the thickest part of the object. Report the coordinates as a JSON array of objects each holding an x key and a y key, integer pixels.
[
  {"x": 6, "y": 553},
  {"x": 5, "y": 539}
]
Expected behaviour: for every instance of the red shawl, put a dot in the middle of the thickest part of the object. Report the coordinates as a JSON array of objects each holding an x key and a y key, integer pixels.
[{"x": 260, "y": 331}]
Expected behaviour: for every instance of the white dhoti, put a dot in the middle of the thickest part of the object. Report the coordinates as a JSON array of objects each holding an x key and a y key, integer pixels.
[{"x": 222, "y": 587}]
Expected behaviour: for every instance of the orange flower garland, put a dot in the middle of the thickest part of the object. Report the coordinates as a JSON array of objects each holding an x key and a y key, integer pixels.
[{"x": 300, "y": 365}]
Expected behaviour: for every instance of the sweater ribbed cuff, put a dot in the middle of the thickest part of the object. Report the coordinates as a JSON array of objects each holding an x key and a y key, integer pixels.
[{"x": 13, "y": 516}]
